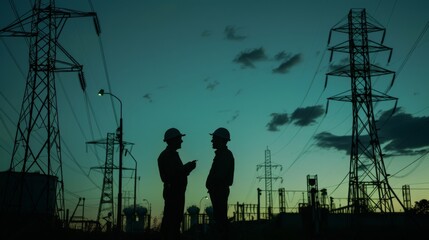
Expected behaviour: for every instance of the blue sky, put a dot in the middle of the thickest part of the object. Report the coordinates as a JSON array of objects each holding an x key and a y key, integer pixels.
[{"x": 255, "y": 67}]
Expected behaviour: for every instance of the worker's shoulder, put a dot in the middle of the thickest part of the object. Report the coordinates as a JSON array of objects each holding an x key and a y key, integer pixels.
[{"x": 225, "y": 152}]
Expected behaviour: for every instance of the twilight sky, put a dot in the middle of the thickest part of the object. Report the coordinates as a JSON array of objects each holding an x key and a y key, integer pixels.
[{"x": 255, "y": 67}]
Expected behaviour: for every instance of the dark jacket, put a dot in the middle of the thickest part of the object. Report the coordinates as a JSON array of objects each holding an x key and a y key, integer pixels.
[
  {"x": 221, "y": 173},
  {"x": 174, "y": 174}
]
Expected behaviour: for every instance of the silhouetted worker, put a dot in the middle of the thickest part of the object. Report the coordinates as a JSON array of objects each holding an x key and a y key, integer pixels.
[
  {"x": 220, "y": 178},
  {"x": 174, "y": 175}
]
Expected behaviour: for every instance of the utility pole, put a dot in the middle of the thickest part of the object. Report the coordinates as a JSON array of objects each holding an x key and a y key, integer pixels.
[
  {"x": 369, "y": 189},
  {"x": 37, "y": 145}
]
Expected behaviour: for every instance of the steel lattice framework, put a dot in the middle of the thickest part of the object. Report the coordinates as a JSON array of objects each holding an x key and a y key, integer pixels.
[
  {"x": 369, "y": 189},
  {"x": 268, "y": 177},
  {"x": 37, "y": 145},
  {"x": 106, "y": 208}
]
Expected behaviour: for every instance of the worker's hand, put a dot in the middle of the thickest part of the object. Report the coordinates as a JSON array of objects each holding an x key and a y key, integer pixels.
[{"x": 191, "y": 165}]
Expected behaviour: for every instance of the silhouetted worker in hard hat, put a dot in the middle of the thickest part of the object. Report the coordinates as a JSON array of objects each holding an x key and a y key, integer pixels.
[
  {"x": 174, "y": 175},
  {"x": 220, "y": 178}
]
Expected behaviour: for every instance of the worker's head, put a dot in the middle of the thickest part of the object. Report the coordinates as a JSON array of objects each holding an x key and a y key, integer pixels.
[
  {"x": 221, "y": 133},
  {"x": 220, "y": 138},
  {"x": 172, "y": 133}
]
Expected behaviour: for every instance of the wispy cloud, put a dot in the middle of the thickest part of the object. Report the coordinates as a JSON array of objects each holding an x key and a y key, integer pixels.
[
  {"x": 287, "y": 63},
  {"x": 234, "y": 116},
  {"x": 247, "y": 58},
  {"x": 211, "y": 85},
  {"x": 300, "y": 117},
  {"x": 307, "y": 115},
  {"x": 148, "y": 96},
  {"x": 277, "y": 119},
  {"x": 206, "y": 33},
  {"x": 231, "y": 34}
]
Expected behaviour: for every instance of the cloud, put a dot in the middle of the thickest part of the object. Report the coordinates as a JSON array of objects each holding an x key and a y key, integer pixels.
[
  {"x": 206, "y": 33},
  {"x": 247, "y": 58},
  {"x": 231, "y": 34},
  {"x": 328, "y": 140},
  {"x": 394, "y": 135},
  {"x": 278, "y": 119},
  {"x": 300, "y": 117},
  {"x": 395, "y": 132},
  {"x": 307, "y": 115},
  {"x": 238, "y": 92},
  {"x": 282, "y": 56},
  {"x": 211, "y": 85},
  {"x": 234, "y": 116},
  {"x": 148, "y": 96},
  {"x": 343, "y": 63},
  {"x": 288, "y": 63}
]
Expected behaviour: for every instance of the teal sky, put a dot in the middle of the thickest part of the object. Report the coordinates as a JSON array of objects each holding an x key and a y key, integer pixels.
[{"x": 255, "y": 67}]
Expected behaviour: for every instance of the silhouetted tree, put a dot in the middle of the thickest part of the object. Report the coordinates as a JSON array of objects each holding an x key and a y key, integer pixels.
[{"x": 422, "y": 207}]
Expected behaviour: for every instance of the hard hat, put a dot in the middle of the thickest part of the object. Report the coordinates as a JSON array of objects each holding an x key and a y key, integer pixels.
[
  {"x": 221, "y": 132},
  {"x": 172, "y": 133}
]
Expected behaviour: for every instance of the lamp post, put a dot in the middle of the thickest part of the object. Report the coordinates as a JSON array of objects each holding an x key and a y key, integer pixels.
[{"x": 121, "y": 150}]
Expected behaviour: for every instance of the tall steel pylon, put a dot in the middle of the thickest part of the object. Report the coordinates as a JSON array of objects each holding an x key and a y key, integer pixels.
[
  {"x": 369, "y": 189},
  {"x": 37, "y": 147},
  {"x": 268, "y": 177},
  {"x": 106, "y": 208}
]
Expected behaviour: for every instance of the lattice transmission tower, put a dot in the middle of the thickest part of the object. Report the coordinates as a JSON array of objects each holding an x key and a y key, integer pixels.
[
  {"x": 106, "y": 214},
  {"x": 106, "y": 208},
  {"x": 268, "y": 177},
  {"x": 37, "y": 147},
  {"x": 369, "y": 189}
]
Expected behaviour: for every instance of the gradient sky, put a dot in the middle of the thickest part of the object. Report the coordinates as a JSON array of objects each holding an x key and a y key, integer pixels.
[{"x": 255, "y": 67}]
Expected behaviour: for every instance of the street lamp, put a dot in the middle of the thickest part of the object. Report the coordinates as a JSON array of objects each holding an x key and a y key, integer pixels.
[{"x": 121, "y": 150}]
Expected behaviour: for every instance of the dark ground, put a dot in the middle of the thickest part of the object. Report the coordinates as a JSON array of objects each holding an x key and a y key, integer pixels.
[
  {"x": 286, "y": 226},
  {"x": 240, "y": 231}
]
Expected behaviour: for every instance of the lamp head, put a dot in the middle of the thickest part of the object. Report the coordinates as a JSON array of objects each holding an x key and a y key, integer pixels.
[{"x": 101, "y": 92}]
